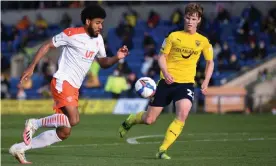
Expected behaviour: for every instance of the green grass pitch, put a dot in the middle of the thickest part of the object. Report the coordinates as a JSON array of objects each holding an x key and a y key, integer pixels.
[{"x": 206, "y": 140}]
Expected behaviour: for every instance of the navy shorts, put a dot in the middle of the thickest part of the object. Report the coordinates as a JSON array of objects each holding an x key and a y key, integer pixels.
[{"x": 176, "y": 91}]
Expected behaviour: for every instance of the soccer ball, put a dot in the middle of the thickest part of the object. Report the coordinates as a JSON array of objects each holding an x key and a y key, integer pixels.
[{"x": 145, "y": 87}]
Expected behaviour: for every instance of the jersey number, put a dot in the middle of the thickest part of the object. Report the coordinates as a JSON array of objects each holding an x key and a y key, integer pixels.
[
  {"x": 190, "y": 93},
  {"x": 89, "y": 54}
]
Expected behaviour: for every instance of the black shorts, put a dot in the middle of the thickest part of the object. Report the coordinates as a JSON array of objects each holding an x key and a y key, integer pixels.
[{"x": 176, "y": 91}]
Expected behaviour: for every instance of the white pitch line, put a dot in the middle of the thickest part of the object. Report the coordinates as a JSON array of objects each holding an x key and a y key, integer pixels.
[
  {"x": 220, "y": 133},
  {"x": 134, "y": 141},
  {"x": 157, "y": 142},
  {"x": 255, "y": 139},
  {"x": 78, "y": 145}
]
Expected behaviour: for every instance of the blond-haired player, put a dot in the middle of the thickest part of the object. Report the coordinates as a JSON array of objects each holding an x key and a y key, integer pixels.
[{"x": 178, "y": 60}]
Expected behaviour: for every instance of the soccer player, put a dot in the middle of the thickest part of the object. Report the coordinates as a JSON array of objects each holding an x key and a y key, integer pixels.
[
  {"x": 80, "y": 46},
  {"x": 178, "y": 60}
]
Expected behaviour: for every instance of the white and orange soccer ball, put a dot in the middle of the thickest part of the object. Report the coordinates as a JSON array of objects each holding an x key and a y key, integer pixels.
[{"x": 145, "y": 87}]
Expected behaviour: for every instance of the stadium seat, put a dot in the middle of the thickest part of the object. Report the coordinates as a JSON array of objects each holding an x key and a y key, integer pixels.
[
  {"x": 94, "y": 93},
  {"x": 38, "y": 80},
  {"x": 141, "y": 24},
  {"x": 4, "y": 47}
]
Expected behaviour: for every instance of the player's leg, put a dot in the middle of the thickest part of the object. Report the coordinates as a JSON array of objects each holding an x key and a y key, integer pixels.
[
  {"x": 47, "y": 138},
  {"x": 67, "y": 115},
  {"x": 183, "y": 102},
  {"x": 52, "y": 121},
  {"x": 175, "y": 128},
  {"x": 73, "y": 116},
  {"x": 158, "y": 102},
  {"x": 64, "y": 95},
  {"x": 144, "y": 117}
]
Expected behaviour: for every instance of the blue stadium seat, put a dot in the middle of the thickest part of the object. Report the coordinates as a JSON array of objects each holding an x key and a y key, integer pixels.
[
  {"x": 107, "y": 72},
  {"x": 14, "y": 82},
  {"x": 9, "y": 29},
  {"x": 139, "y": 33},
  {"x": 38, "y": 80},
  {"x": 136, "y": 53},
  {"x": 103, "y": 79},
  {"x": 235, "y": 22},
  {"x": 226, "y": 30},
  {"x": 271, "y": 49},
  {"x": 256, "y": 27},
  {"x": 114, "y": 42},
  {"x": 138, "y": 42},
  {"x": 141, "y": 24},
  {"x": 53, "y": 29},
  {"x": 32, "y": 94},
  {"x": 164, "y": 22},
  {"x": 94, "y": 93},
  {"x": 4, "y": 47},
  {"x": 264, "y": 36}
]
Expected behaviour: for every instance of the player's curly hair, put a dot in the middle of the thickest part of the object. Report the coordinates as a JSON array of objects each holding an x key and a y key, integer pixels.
[
  {"x": 91, "y": 12},
  {"x": 192, "y": 8}
]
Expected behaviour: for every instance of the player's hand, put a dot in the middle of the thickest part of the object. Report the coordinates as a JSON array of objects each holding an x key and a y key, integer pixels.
[
  {"x": 168, "y": 78},
  {"x": 122, "y": 52},
  {"x": 27, "y": 74},
  {"x": 204, "y": 86}
]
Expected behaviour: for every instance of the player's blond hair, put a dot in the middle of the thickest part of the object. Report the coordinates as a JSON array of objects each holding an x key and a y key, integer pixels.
[{"x": 192, "y": 8}]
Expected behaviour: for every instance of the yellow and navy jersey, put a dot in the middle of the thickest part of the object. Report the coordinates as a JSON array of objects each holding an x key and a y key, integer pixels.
[{"x": 182, "y": 52}]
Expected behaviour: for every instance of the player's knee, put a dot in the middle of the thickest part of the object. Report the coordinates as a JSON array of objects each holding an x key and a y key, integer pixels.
[
  {"x": 149, "y": 120},
  {"x": 183, "y": 115},
  {"x": 72, "y": 114},
  {"x": 74, "y": 121},
  {"x": 63, "y": 133}
]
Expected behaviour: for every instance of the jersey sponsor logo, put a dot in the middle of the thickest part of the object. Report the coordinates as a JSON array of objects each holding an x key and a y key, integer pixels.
[
  {"x": 89, "y": 54},
  {"x": 186, "y": 57},
  {"x": 88, "y": 57},
  {"x": 185, "y": 52}
]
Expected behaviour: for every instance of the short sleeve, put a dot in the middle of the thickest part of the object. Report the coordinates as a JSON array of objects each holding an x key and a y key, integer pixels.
[
  {"x": 60, "y": 39},
  {"x": 208, "y": 51},
  {"x": 102, "y": 52},
  {"x": 167, "y": 45}
]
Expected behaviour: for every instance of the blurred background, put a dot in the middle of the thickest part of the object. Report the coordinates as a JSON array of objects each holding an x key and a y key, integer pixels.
[{"x": 243, "y": 35}]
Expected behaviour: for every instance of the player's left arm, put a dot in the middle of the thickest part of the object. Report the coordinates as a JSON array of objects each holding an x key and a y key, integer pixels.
[
  {"x": 208, "y": 55},
  {"x": 106, "y": 62}
]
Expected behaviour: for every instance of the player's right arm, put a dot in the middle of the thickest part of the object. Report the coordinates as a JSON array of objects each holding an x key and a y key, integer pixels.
[
  {"x": 56, "y": 41},
  {"x": 163, "y": 66},
  {"x": 162, "y": 61},
  {"x": 43, "y": 50}
]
